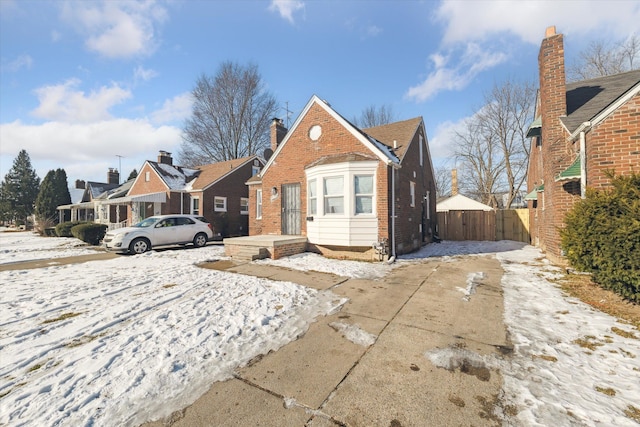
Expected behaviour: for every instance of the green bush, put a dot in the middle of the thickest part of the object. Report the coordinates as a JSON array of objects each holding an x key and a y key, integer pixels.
[
  {"x": 602, "y": 236},
  {"x": 89, "y": 232},
  {"x": 64, "y": 228}
]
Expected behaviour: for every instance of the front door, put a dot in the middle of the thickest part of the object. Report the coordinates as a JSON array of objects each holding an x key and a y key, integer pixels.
[{"x": 291, "y": 209}]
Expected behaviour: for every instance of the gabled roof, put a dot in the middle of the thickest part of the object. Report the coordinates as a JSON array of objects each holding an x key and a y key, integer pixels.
[
  {"x": 401, "y": 132},
  {"x": 176, "y": 178},
  {"x": 95, "y": 189},
  {"x": 212, "y": 173},
  {"x": 461, "y": 203},
  {"x": 588, "y": 98},
  {"x": 379, "y": 149}
]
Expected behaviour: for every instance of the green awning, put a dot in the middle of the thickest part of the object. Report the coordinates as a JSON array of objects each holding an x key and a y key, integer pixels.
[
  {"x": 534, "y": 194},
  {"x": 571, "y": 173},
  {"x": 535, "y": 129}
]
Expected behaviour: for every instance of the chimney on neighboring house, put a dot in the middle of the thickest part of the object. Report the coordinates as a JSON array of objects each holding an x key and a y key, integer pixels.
[
  {"x": 553, "y": 90},
  {"x": 454, "y": 182},
  {"x": 80, "y": 184},
  {"x": 165, "y": 158},
  {"x": 278, "y": 132},
  {"x": 113, "y": 176}
]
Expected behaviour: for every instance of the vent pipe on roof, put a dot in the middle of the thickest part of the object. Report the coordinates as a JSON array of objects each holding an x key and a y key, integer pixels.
[{"x": 395, "y": 144}]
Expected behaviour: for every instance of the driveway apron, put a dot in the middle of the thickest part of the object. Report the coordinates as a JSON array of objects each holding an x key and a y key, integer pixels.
[{"x": 435, "y": 325}]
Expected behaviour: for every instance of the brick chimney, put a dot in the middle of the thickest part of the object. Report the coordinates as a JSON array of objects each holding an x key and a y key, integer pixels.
[
  {"x": 278, "y": 132},
  {"x": 80, "y": 184},
  {"x": 553, "y": 91},
  {"x": 454, "y": 182},
  {"x": 165, "y": 158},
  {"x": 113, "y": 176}
]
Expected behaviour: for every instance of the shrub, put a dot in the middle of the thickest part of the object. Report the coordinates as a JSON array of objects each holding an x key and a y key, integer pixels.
[
  {"x": 64, "y": 228},
  {"x": 602, "y": 236},
  {"x": 89, "y": 232}
]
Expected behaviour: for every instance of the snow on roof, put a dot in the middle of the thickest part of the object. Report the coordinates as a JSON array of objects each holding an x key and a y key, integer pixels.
[
  {"x": 176, "y": 177},
  {"x": 461, "y": 203}
]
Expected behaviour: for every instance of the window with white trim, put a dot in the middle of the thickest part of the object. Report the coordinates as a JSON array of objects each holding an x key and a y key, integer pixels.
[
  {"x": 421, "y": 144},
  {"x": 258, "y": 204},
  {"x": 363, "y": 189},
  {"x": 195, "y": 206},
  {"x": 255, "y": 170},
  {"x": 220, "y": 204},
  {"x": 244, "y": 206},
  {"x": 333, "y": 192},
  {"x": 147, "y": 176},
  {"x": 312, "y": 198},
  {"x": 413, "y": 193}
]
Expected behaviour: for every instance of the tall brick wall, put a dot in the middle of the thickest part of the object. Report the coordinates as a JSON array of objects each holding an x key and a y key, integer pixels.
[{"x": 614, "y": 144}]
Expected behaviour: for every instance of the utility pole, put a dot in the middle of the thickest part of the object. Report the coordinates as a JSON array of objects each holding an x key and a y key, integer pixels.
[{"x": 119, "y": 167}]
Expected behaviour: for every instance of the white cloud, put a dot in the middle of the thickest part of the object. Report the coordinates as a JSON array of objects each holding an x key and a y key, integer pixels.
[
  {"x": 85, "y": 151},
  {"x": 117, "y": 29},
  {"x": 177, "y": 108},
  {"x": 527, "y": 20},
  {"x": 455, "y": 70},
  {"x": 21, "y": 62},
  {"x": 286, "y": 8},
  {"x": 64, "y": 103},
  {"x": 443, "y": 142},
  {"x": 140, "y": 74}
]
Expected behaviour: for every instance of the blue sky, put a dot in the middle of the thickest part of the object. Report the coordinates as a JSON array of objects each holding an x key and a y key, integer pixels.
[{"x": 83, "y": 82}]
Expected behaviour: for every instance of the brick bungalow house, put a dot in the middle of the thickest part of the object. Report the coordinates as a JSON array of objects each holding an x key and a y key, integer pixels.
[
  {"x": 86, "y": 197},
  {"x": 216, "y": 191},
  {"x": 581, "y": 130},
  {"x": 346, "y": 189}
]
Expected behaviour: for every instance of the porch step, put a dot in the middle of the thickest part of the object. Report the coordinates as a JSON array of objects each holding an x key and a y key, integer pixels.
[{"x": 250, "y": 253}]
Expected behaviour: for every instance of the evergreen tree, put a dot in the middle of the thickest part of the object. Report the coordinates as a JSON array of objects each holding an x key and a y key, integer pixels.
[
  {"x": 132, "y": 175},
  {"x": 53, "y": 193},
  {"x": 21, "y": 186},
  {"x": 5, "y": 206}
]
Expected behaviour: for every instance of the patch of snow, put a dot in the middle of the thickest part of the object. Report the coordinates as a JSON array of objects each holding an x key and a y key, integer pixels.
[
  {"x": 354, "y": 333},
  {"x": 473, "y": 280},
  {"x": 18, "y": 246},
  {"x": 313, "y": 262}
]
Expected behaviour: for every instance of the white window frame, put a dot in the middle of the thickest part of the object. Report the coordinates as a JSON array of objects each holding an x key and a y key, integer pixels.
[
  {"x": 255, "y": 170},
  {"x": 147, "y": 176},
  {"x": 326, "y": 196},
  {"x": 195, "y": 205},
  {"x": 371, "y": 195},
  {"x": 421, "y": 154},
  {"x": 312, "y": 201},
  {"x": 259, "y": 204},
  {"x": 244, "y": 206},
  {"x": 216, "y": 199},
  {"x": 412, "y": 191}
]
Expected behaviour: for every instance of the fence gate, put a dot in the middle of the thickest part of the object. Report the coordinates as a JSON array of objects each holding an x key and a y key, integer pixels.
[
  {"x": 481, "y": 225},
  {"x": 291, "y": 219}
]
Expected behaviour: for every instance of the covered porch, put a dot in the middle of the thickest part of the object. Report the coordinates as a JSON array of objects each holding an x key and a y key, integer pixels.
[{"x": 249, "y": 248}]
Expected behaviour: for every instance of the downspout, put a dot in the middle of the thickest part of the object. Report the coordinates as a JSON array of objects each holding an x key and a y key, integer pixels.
[
  {"x": 583, "y": 165},
  {"x": 393, "y": 216}
]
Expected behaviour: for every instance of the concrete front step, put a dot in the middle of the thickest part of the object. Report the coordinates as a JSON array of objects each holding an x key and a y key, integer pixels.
[{"x": 250, "y": 253}]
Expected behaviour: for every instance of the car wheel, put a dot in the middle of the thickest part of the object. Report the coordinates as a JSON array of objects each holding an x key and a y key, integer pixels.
[
  {"x": 139, "y": 246},
  {"x": 200, "y": 240}
]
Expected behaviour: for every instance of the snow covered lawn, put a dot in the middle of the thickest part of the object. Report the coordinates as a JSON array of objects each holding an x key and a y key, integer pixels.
[{"x": 112, "y": 343}]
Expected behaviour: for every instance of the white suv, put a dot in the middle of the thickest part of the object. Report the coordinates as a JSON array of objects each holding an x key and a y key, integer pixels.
[{"x": 159, "y": 230}]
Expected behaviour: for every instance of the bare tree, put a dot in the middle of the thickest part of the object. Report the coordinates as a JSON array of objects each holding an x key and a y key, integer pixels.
[
  {"x": 373, "y": 116},
  {"x": 230, "y": 118},
  {"x": 493, "y": 146},
  {"x": 443, "y": 181},
  {"x": 602, "y": 58}
]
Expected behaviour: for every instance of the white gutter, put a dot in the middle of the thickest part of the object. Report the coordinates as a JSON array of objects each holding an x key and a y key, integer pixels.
[
  {"x": 393, "y": 214},
  {"x": 583, "y": 165},
  {"x": 584, "y": 127}
]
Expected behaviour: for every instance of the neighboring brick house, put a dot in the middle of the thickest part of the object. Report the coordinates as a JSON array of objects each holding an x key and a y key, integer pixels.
[
  {"x": 85, "y": 197},
  {"x": 216, "y": 191},
  {"x": 581, "y": 130},
  {"x": 345, "y": 188}
]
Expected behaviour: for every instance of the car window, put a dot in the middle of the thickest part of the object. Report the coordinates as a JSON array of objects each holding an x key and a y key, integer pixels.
[
  {"x": 167, "y": 222},
  {"x": 202, "y": 219},
  {"x": 184, "y": 221},
  {"x": 146, "y": 223}
]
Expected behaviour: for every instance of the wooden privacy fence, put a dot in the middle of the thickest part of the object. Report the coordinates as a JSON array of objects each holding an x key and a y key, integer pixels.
[{"x": 481, "y": 225}]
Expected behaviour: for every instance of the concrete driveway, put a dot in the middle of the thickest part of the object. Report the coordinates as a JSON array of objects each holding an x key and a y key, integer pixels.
[{"x": 433, "y": 325}]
